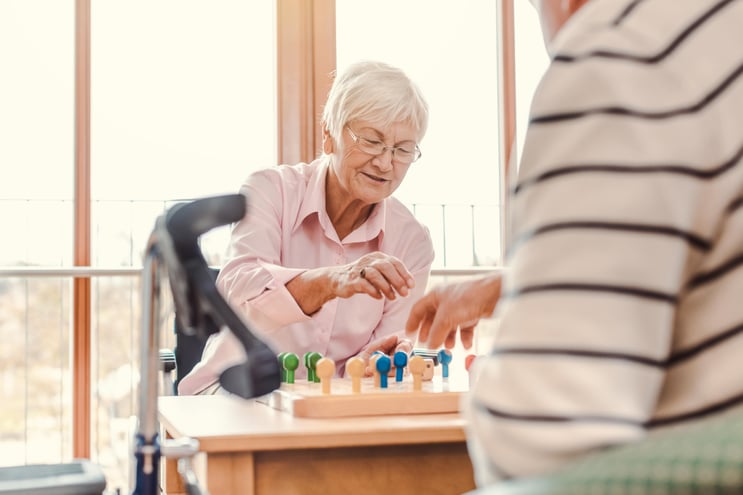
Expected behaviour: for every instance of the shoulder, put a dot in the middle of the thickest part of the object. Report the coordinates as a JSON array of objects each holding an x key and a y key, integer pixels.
[
  {"x": 282, "y": 183},
  {"x": 633, "y": 55},
  {"x": 288, "y": 175}
]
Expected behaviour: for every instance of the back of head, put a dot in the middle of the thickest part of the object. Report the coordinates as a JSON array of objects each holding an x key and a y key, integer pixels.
[{"x": 377, "y": 93}]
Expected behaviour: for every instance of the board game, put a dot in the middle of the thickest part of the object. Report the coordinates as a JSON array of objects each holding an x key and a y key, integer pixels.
[
  {"x": 418, "y": 383},
  {"x": 306, "y": 399}
]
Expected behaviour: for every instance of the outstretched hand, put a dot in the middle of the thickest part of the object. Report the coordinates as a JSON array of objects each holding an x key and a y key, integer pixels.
[{"x": 446, "y": 309}]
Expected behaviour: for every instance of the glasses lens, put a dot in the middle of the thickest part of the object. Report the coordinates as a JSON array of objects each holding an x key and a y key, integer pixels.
[
  {"x": 403, "y": 155},
  {"x": 370, "y": 146},
  {"x": 406, "y": 153}
]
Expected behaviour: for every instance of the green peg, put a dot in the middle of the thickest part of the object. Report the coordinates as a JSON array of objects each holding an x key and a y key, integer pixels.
[
  {"x": 280, "y": 357},
  {"x": 310, "y": 369},
  {"x": 290, "y": 362},
  {"x": 313, "y": 359}
]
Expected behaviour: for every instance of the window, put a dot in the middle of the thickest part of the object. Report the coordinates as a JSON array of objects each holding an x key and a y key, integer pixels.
[
  {"x": 36, "y": 130},
  {"x": 450, "y": 50},
  {"x": 183, "y": 106}
]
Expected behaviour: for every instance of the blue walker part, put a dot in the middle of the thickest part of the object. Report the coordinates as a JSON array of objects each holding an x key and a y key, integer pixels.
[{"x": 148, "y": 478}]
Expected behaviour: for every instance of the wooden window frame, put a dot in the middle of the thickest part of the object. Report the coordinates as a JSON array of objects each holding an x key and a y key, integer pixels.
[
  {"x": 81, "y": 333},
  {"x": 305, "y": 60}
]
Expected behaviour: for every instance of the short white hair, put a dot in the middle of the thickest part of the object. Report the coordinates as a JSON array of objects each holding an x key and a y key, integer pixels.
[{"x": 375, "y": 92}]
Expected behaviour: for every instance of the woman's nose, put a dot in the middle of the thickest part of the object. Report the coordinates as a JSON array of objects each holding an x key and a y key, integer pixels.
[{"x": 384, "y": 159}]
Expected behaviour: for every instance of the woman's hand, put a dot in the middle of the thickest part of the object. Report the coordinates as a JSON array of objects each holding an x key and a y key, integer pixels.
[
  {"x": 388, "y": 345},
  {"x": 377, "y": 274}
]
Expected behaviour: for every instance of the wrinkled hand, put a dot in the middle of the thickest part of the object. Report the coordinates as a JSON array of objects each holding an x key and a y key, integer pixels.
[
  {"x": 446, "y": 309},
  {"x": 377, "y": 274},
  {"x": 388, "y": 345}
]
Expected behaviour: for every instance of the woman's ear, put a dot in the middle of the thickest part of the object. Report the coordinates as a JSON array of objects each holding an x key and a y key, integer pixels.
[{"x": 328, "y": 144}]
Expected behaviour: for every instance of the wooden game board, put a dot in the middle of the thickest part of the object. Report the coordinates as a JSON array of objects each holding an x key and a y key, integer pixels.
[{"x": 305, "y": 399}]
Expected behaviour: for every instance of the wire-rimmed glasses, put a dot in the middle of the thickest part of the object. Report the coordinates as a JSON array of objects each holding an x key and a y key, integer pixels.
[{"x": 405, "y": 153}]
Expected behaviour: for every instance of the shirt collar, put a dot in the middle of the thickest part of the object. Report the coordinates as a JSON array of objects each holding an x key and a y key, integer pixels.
[
  {"x": 314, "y": 203},
  {"x": 374, "y": 225},
  {"x": 314, "y": 198}
]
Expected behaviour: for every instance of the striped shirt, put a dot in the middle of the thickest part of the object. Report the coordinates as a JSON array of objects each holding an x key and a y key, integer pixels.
[{"x": 622, "y": 311}]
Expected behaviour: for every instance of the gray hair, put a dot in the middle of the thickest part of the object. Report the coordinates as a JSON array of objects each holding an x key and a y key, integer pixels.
[{"x": 378, "y": 93}]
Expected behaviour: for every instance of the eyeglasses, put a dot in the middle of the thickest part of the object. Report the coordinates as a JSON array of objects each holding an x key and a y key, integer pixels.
[{"x": 405, "y": 154}]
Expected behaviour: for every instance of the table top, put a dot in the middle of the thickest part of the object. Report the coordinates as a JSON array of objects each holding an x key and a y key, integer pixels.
[{"x": 224, "y": 423}]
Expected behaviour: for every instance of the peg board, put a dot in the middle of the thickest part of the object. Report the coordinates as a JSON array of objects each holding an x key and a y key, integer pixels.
[{"x": 306, "y": 399}]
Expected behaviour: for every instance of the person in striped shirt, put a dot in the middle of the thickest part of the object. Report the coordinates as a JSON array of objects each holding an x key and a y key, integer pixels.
[{"x": 620, "y": 310}]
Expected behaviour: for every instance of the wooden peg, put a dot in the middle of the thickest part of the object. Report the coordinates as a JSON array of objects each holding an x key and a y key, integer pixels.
[
  {"x": 355, "y": 369},
  {"x": 417, "y": 366},
  {"x": 325, "y": 369}
]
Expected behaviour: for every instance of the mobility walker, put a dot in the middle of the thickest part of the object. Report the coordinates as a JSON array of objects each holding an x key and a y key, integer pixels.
[{"x": 172, "y": 251}]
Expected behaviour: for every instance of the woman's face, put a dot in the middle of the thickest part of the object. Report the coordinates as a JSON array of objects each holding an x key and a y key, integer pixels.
[{"x": 368, "y": 177}]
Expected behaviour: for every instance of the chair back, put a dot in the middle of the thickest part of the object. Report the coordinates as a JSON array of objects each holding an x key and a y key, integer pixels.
[{"x": 188, "y": 349}]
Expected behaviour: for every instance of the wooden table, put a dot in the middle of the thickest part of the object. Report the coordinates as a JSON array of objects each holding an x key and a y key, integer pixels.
[{"x": 252, "y": 449}]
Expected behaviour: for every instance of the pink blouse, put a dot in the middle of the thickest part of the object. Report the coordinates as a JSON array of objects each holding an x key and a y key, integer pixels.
[{"x": 286, "y": 231}]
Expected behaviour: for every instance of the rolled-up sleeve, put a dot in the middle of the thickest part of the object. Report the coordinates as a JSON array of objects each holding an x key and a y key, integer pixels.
[{"x": 254, "y": 280}]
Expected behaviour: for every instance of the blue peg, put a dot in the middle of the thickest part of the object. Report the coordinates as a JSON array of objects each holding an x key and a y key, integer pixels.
[
  {"x": 445, "y": 358},
  {"x": 384, "y": 363},
  {"x": 401, "y": 360}
]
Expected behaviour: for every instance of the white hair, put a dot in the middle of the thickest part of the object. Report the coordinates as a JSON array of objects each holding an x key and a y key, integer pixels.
[{"x": 375, "y": 92}]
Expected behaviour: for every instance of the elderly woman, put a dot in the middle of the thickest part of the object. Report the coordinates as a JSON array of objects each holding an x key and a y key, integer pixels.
[{"x": 326, "y": 260}]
